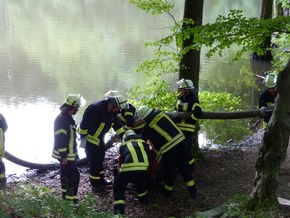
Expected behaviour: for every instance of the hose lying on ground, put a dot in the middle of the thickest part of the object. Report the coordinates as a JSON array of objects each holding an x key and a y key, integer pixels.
[{"x": 38, "y": 166}]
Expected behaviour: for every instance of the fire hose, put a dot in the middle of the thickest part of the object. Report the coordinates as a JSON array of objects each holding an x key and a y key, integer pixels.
[{"x": 182, "y": 115}]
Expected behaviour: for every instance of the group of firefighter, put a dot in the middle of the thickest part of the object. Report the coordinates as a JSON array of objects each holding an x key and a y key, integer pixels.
[{"x": 149, "y": 138}]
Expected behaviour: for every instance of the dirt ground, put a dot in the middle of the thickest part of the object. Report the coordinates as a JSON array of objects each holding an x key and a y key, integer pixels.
[{"x": 219, "y": 176}]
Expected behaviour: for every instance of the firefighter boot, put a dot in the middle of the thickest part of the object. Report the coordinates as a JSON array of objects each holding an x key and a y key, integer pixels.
[
  {"x": 63, "y": 195},
  {"x": 192, "y": 191},
  {"x": 143, "y": 199},
  {"x": 119, "y": 209},
  {"x": 2, "y": 182},
  {"x": 98, "y": 189}
]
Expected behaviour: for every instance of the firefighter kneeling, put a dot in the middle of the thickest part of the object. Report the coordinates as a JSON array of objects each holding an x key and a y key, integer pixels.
[{"x": 134, "y": 157}]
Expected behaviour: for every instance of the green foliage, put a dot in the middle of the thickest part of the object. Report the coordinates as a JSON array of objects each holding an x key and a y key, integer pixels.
[
  {"x": 281, "y": 50},
  {"x": 219, "y": 101},
  {"x": 236, "y": 29},
  {"x": 284, "y": 3},
  {"x": 217, "y": 131},
  {"x": 153, "y": 6},
  {"x": 33, "y": 200},
  {"x": 155, "y": 94}
]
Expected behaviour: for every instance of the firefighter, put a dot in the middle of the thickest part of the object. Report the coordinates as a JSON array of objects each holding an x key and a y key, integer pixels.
[
  {"x": 169, "y": 145},
  {"x": 65, "y": 146},
  {"x": 134, "y": 158},
  {"x": 128, "y": 116},
  {"x": 97, "y": 120},
  {"x": 188, "y": 102},
  {"x": 267, "y": 98},
  {"x": 3, "y": 128}
]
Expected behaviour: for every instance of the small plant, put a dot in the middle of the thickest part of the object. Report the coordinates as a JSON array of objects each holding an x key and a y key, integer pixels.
[{"x": 33, "y": 200}]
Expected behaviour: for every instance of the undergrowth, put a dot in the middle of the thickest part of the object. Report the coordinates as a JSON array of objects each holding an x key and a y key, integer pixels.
[{"x": 34, "y": 200}]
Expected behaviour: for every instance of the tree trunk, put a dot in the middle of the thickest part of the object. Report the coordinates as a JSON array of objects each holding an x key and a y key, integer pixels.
[
  {"x": 274, "y": 147},
  {"x": 266, "y": 12},
  {"x": 190, "y": 62}
]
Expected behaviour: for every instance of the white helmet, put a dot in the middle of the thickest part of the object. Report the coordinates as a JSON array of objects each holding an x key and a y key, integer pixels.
[
  {"x": 118, "y": 101},
  {"x": 144, "y": 111},
  {"x": 127, "y": 134},
  {"x": 185, "y": 84},
  {"x": 112, "y": 93},
  {"x": 271, "y": 80},
  {"x": 75, "y": 100}
]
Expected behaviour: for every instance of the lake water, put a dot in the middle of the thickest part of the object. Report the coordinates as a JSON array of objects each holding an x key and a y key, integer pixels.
[{"x": 51, "y": 48}]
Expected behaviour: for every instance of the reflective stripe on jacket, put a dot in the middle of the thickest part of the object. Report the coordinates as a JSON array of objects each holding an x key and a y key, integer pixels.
[
  {"x": 134, "y": 153},
  {"x": 65, "y": 145},
  {"x": 188, "y": 103},
  {"x": 97, "y": 121},
  {"x": 162, "y": 132}
]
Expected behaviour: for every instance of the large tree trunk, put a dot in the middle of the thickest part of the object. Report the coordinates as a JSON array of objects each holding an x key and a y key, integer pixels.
[
  {"x": 190, "y": 62},
  {"x": 266, "y": 12},
  {"x": 274, "y": 147}
]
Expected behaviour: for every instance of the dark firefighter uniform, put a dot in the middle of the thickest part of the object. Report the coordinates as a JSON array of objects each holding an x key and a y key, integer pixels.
[
  {"x": 3, "y": 128},
  {"x": 128, "y": 117},
  {"x": 266, "y": 99},
  {"x": 96, "y": 122},
  {"x": 133, "y": 161},
  {"x": 65, "y": 146},
  {"x": 169, "y": 145},
  {"x": 189, "y": 103}
]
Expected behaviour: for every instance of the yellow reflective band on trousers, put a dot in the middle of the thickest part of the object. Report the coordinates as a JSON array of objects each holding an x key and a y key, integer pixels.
[
  {"x": 94, "y": 177},
  {"x": 1, "y": 144},
  {"x": 142, "y": 194},
  {"x": 70, "y": 197},
  {"x": 192, "y": 161},
  {"x": 169, "y": 188},
  {"x": 190, "y": 183},
  {"x": 2, "y": 175},
  {"x": 119, "y": 202}
]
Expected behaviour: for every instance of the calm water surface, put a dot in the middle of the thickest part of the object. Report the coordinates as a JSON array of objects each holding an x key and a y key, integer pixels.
[{"x": 51, "y": 48}]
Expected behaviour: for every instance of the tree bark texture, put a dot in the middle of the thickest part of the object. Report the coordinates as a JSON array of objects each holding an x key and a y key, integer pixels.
[
  {"x": 189, "y": 67},
  {"x": 266, "y": 12},
  {"x": 274, "y": 146}
]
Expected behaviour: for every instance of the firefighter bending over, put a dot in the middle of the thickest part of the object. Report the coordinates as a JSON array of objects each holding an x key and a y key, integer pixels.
[
  {"x": 169, "y": 146},
  {"x": 134, "y": 158},
  {"x": 97, "y": 120}
]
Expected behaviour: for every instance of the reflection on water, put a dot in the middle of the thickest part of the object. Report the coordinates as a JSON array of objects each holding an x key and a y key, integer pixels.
[{"x": 50, "y": 48}]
